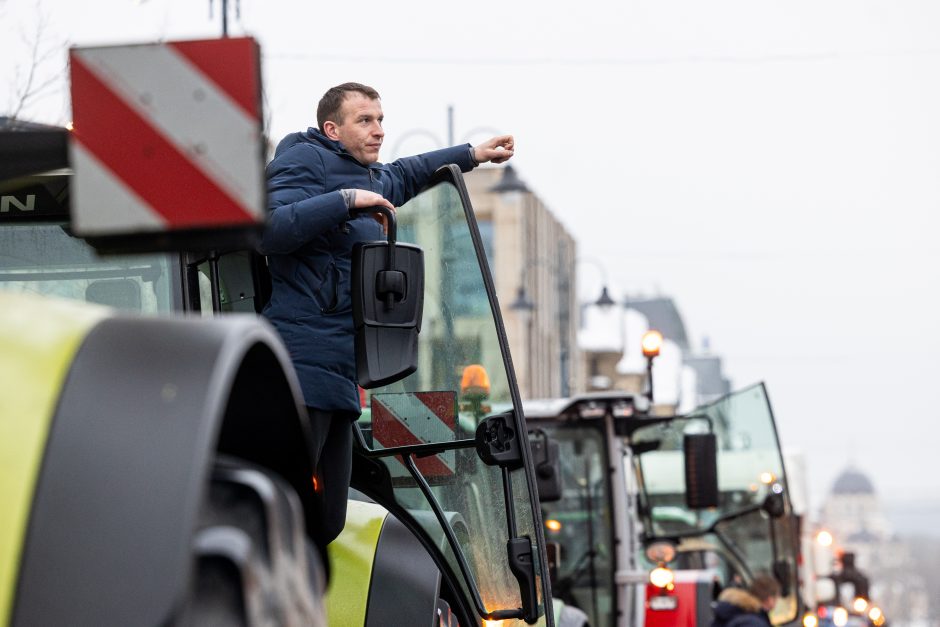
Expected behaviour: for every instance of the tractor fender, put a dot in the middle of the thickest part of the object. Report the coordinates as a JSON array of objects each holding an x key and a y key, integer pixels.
[
  {"x": 38, "y": 341},
  {"x": 146, "y": 405},
  {"x": 382, "y": 574}
]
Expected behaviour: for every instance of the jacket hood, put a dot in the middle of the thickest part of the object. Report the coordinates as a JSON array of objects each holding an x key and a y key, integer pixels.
[
  {"x": 311, "y": 136},
  {"x": 741, "y": 599}
]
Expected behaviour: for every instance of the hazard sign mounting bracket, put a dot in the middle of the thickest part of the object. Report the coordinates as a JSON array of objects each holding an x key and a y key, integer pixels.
[{"x": 498, "y": 443}]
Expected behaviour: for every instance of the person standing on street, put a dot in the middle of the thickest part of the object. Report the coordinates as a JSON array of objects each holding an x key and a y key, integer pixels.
[{"x": 738, "y": 607}]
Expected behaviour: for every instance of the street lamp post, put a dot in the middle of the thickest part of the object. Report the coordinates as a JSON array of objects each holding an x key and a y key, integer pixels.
[
  {"x": 604, "y": 301},
  {"x": 423, "y": 132},
  {"x": 510, "y": 185},
  {"x": 525, "y": 306},
  {"x": 651, "y": 344},
  {"x": 225, "y": 14},
  {"x": 512, "y": 188},
  {"x": 415, "y": 132}
]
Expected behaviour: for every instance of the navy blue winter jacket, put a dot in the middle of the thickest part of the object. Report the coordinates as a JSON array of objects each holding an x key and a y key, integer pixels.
[
  {"x": 308, "y": 240},
  {"x": 739, "y": 608}
]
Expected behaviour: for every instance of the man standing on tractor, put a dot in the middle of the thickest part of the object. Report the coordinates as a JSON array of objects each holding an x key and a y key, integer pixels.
[{"x": 316, "y": 182}]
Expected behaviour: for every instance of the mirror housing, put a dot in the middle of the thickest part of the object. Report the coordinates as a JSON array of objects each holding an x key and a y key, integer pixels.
[
  {"x": 388, "y": 301},
  {"x": 775, "y": 505},
  {"x": 701, "y": 470},
  {"x": 547, "y": 466}
]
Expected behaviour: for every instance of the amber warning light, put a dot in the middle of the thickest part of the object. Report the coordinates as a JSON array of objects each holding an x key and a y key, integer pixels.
[
  {"x": 652, "y": 343},
  {"x": 475, "y": 381}
]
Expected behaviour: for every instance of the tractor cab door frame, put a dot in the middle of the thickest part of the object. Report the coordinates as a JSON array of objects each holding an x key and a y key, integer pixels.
[{"x": 446, "y": 448}]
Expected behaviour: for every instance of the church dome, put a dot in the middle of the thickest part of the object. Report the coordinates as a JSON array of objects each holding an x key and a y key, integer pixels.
[{"x": 852, "y": 482}]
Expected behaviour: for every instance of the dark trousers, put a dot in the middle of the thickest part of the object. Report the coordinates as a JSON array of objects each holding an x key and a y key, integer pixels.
[{"x": 332, "y": 442}]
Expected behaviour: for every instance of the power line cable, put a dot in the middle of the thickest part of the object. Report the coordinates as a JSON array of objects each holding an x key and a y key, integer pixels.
[{"x": 802, "y": 57}]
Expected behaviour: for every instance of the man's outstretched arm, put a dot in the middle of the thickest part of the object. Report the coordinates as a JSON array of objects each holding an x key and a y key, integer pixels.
[{"x": 413, "y": 173}]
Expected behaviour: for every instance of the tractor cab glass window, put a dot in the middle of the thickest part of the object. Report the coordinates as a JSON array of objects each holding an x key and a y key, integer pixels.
[
  {"x": 753, "y": 520},
  {"x": 461, "y": 380},
  {"x": 237, "y": 280},
  {"x": 43, "y": 258},
  {"x": 579, "y": 524},
  {"x": 39, "y": 255}
]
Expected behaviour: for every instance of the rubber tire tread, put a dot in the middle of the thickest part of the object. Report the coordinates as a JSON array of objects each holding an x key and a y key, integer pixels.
[{"x": 253, "y": 566}]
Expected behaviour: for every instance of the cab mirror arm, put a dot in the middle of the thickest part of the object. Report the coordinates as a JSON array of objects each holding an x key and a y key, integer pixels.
[
  {"x": 498, "y": 444},
  {"x": 522, "y": 566},
  {"x": 521, "y": 562}
]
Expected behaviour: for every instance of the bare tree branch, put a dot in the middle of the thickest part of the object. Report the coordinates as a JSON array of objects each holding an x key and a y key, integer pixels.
[{"x": 44, "y": 71}]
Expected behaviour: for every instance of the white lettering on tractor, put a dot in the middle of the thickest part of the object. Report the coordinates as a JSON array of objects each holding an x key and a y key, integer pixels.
[{"x": 8, "y": 203}]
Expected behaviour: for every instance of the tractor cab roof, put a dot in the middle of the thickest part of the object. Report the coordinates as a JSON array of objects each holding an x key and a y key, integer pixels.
[{"x": 28, "y": 148}]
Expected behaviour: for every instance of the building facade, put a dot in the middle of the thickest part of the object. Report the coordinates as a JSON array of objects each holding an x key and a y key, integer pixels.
[
  {"x": 613, "y": 359},
  {"x": 532, "y": 257}
]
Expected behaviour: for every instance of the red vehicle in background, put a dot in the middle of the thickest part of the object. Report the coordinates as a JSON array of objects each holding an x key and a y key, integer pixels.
[{"x": 687, "y": 602}]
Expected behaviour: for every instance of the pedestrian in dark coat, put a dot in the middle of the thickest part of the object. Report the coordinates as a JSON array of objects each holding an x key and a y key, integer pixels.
[
  {"x": 314, "y": 180},
  {"x": 737, "y": 607}
]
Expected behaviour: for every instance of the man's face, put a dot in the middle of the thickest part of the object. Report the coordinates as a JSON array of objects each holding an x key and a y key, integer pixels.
[{"x": 361, "y": 128}]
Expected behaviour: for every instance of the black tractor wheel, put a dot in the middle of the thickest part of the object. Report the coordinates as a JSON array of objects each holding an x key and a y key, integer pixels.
[{"x": 253, "y": 562}]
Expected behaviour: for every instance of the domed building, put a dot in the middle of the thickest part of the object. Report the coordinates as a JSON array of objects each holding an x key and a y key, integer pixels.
[
  {"x": 857, "y": 521},
  {"x": 854, "y": 515},
  {"x": 852, "y": 481}
]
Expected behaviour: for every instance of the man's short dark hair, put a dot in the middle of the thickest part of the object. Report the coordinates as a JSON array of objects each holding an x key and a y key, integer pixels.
[
  {"x": 764, "y": 586},
  {"x": 332, "y": 101}
]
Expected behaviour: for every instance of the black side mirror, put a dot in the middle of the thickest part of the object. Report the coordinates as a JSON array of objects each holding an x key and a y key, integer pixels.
[
  {"x": 774, "y": 505},
  {"x": 701, "y": 470},
  {"x": 547, "y": 466},
  {"x": 388, "y": 301}
]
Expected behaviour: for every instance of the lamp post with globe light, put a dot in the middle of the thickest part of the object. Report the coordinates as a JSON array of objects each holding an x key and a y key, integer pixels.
[
  {"x": 524, "y": 307},
  {"x": 435, "y": 139}
]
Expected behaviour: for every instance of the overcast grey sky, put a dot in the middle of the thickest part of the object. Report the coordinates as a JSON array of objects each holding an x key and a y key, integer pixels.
[{"x": 773, "y": 166}]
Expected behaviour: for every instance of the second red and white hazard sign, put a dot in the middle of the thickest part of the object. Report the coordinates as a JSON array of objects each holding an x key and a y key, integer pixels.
[{"x": 414, "y": 418}]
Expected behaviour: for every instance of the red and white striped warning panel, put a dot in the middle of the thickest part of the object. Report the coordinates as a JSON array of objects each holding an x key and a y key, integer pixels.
[
  {"x": 412, "y": 418},
  {"x": 167, "y": 137}
]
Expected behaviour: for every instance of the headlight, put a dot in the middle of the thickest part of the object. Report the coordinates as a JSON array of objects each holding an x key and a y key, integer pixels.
[
  {"x": 662, "y": 577},
  {"x": 840, "y": 617}
]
